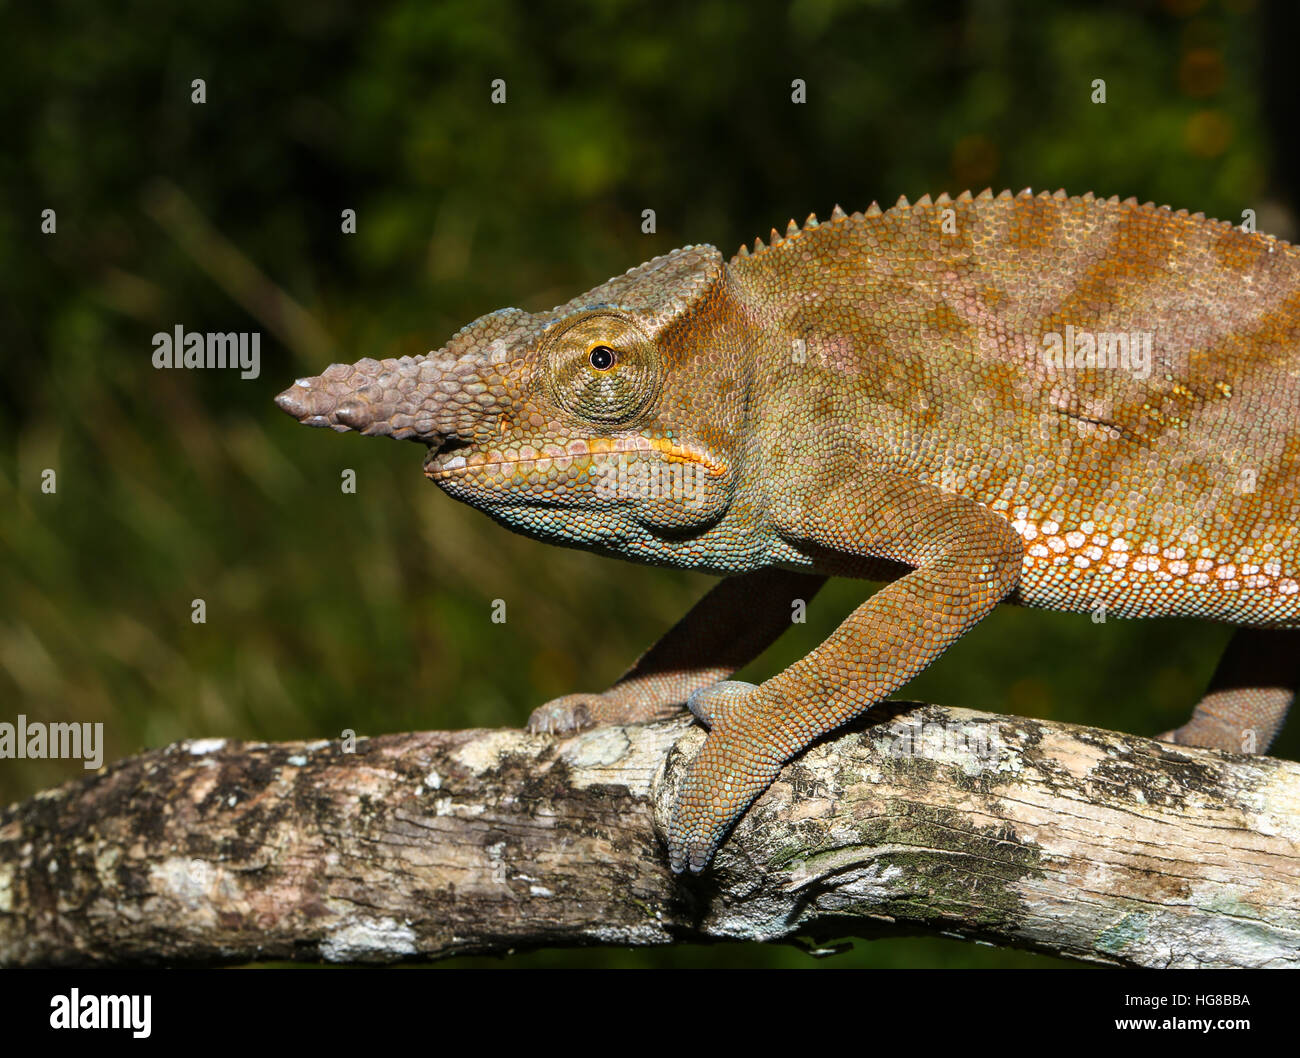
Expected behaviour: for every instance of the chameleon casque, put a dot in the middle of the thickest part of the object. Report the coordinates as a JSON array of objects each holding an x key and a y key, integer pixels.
[{"x": 1063, "y": 402}]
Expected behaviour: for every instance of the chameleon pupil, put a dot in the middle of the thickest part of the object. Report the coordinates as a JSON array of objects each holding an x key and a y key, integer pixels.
[{"x": 602, "y": 358}]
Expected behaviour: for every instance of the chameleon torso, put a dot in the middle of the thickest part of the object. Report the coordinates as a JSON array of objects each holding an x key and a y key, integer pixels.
[{"x": 924, "y": 350}]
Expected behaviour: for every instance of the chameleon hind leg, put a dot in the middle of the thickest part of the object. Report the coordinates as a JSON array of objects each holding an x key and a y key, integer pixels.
[
  {"x": 1251, "y": 690},
  {"x": 736, "y": 621}
]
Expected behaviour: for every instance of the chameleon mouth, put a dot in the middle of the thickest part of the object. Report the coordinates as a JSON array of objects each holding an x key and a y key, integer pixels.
[
  {"x": 450, "y": 459},
  {"x": 450, "y": 462},
  {"x": 445, "y": 458}
]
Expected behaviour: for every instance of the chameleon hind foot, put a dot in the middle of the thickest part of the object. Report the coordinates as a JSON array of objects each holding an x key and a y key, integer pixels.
[
  {"x": 1248, "y": 698},
  {"x": 1242, "y": 720}
]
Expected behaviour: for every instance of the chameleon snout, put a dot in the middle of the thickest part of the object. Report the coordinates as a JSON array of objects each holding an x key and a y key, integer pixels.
[
  {"x": 314, "y": 405},
  {"x": 390, "y": 398},
  {"x": 310, "y": 405}
]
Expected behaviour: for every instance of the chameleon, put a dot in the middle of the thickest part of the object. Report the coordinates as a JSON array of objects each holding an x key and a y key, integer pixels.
[{"x": 1037, "y": 399}]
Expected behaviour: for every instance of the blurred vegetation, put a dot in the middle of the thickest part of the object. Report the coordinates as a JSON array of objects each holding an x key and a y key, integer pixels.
[{"x": 329, "y": 611}]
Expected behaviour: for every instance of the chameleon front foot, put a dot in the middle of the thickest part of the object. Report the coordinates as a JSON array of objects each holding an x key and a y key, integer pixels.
[
  {"x": 713, "y": 704},
  {"x": 736, "y": 764},
  {"x": 566, "y": 714},
  {"x": 624, "y": 703}
]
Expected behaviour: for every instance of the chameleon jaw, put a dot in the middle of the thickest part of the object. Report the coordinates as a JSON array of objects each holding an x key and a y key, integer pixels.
[{"x": 448, "y": 461}]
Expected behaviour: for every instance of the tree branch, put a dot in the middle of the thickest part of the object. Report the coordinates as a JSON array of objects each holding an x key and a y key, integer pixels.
[{"x": 1052, "y": 837}]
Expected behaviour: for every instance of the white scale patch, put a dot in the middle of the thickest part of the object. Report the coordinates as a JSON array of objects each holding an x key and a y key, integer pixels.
[{"x": 1181, "y": 564}]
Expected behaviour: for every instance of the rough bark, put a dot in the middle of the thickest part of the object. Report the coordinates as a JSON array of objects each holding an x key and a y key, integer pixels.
[{"x": 1063, "y": 839}]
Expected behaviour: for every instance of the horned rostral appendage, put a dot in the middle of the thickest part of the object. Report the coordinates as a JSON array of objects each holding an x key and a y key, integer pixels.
[{"x": 422, "y": 398}]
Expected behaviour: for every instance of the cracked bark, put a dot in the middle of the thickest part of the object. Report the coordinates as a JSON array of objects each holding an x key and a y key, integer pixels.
[{"x": 1062, "y": 839}]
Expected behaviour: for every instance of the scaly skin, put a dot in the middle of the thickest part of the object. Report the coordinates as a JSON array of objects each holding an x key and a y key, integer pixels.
[{"x": 870, "y": 398}]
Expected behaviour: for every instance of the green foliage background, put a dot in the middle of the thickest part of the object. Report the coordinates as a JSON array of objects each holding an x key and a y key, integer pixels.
[{"x": 330, "y": 611}]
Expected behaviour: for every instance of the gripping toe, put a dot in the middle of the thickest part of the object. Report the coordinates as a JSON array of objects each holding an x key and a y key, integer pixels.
[
  {"x": 560, "y": 716},
  {"x": 714, "y": 703}
]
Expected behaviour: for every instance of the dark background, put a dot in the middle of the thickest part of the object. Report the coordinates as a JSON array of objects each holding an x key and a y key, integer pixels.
[{"x": 371, "y": 611}]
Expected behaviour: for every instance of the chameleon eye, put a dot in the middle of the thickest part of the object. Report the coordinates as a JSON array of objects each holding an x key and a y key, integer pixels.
[{"x": 601, "y": 367}]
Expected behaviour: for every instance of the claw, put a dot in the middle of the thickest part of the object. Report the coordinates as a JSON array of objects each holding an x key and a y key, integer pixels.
[{"x": 561, "y": 716}]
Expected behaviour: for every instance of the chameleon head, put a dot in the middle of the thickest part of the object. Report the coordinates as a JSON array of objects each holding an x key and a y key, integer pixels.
[{"x": 608, "y": 422}]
